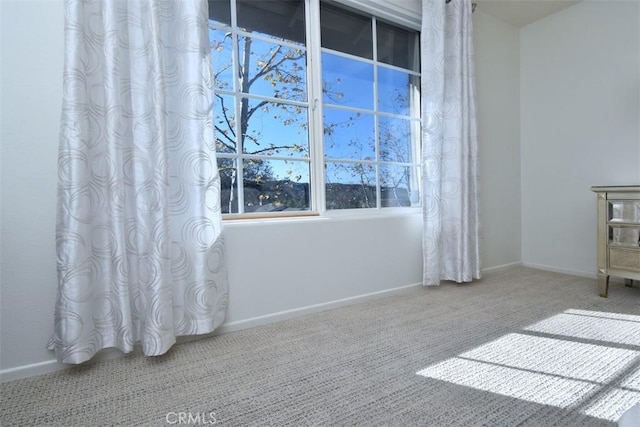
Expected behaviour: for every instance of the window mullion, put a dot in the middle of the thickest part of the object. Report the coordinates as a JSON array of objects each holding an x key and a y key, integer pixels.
[
  {"x": 416, "y": 135},
  {"x": 240, "y": 159},
  {"x": 314, "y": 79},
  {"x": 237, "y": 90},
  {"x": 376, "y": 131}
]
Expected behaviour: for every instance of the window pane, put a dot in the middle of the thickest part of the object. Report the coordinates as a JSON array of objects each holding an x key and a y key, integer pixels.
[
  {"x": 220, "y": 11},
  {"x": 394, "y": 136},
  {"x": 346, "y": 32},
  {"x": 397, "y": 46},
  {"x": 271, "y": 69},
  {"x": 348, "y": 135},
  {"x": 225, "y": 123},
  {"x": 350, "y": 185},
  {"x": 228, "y": 185},
  {"x": 275, "y": 129},
  {"x": 394, "y": 91},
  {"x": 396, "y": 186},
  {"x": 280, "y": 18},
  {"x": 221, "y": 42},
  {"x": 260, "y": 69},
  {"x": 276, "y": 185},
  {"x": 347, "y": 82}
]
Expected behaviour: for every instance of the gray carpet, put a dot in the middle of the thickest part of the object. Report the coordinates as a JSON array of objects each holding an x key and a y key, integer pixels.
[{"x": 519, "y": 347}]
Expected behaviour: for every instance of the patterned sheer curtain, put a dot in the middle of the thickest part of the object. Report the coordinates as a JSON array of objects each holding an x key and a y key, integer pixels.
[
  {"x": 449, "y": 144},
  {"x": 139, "y": 231}
]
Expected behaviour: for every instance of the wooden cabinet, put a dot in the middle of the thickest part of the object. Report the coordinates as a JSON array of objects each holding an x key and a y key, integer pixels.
[{"x": 618, "y": 234}]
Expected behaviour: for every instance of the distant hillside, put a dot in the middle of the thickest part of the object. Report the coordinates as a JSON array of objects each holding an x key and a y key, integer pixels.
[{"x": 285, "y": 195}]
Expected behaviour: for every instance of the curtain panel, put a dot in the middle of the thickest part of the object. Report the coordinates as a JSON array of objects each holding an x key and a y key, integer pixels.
[
  {"x": 139, "y": 233},
  {"x": 449, "y": 144}
]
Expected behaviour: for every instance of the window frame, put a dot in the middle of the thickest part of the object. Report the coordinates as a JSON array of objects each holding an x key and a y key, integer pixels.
[{"x": 388, "y": 13}]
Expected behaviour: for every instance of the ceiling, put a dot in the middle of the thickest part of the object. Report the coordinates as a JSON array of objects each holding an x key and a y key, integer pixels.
[{"x": 522, "y": 12}]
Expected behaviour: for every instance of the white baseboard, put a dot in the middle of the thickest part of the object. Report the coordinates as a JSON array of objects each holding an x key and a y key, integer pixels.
[
  {"x": 30, "y": 370},
  {"x": 311, "y": 309},
  {"x": 502, "y": 267},
  {"x": 612, "y": 279},
  {"x": 560, "y": 270},
  {"x": 49, "y": 366},
  {"x": 52, "y": 365}
]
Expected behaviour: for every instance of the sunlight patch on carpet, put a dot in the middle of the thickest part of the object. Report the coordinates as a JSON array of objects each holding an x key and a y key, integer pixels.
[
  {"x": 592, "y": 325},
  {"x": 530, "y": 386},
  {"x": 561, "y": 358},
  {"x": 599, "y": 377},
  {"x": 612, "y": 404}
]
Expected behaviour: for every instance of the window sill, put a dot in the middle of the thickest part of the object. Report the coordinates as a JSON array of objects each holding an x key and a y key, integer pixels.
[{"x": 306, "y": 216}]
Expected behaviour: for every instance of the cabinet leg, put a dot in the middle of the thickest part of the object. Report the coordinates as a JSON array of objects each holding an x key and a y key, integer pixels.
[{"x": 603, "y": 284}]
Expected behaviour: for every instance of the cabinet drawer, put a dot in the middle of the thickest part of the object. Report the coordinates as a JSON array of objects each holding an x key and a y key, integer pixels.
[
  {"x": 624, "y": 259},
  {"x": 624, "y": 235},
  {"x": 624, "y": 211}
]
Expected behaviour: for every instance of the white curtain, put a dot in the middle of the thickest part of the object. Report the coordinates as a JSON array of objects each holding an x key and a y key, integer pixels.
[
  {"x": 139, "y": 231},
  {"x": 449, "y": 144}
]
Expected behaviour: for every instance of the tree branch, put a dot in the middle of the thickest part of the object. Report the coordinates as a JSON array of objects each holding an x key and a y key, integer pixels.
[
  {"x": 272, "y": 148},
  {"x": 253, "y": 110},
  {"x": 231, "y": 146},
  {"x": 268, "y": 68},
  {"x": 226, "y": 118}
]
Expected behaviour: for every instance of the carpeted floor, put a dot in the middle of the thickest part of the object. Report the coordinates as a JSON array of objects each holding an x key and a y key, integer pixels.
[{"x": 519, "y": 347}]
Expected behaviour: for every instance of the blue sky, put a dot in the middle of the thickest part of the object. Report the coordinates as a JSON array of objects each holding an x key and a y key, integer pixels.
[{"x": 347, "y": 82}]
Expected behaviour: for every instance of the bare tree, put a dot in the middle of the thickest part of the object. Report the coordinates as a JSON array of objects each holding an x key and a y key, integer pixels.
[{"x": 278, "y": 68}]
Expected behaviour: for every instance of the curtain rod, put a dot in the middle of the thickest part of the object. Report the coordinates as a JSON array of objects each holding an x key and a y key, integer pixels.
[{"x": 473, "y": 5}]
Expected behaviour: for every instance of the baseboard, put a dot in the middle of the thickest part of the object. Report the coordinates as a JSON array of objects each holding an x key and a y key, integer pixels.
[
  {"x": 502, "y": 267},
  {"x": 52, "y": 365},
  {"x": 49, "y": 366},
  {"x": 30, "y": 370},
  {"x": 311, "y": 309},
  {"x": 560, "y": 270}
]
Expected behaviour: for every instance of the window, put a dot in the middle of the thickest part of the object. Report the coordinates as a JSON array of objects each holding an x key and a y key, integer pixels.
[{"x": 293, "y": 135}]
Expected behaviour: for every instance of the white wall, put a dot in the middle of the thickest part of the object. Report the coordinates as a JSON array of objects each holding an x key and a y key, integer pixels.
[
  {"x": 327, "y": 260},
  {"x": 277, "y": 266},
  {"x": 580, "y": 74},
  {"x": 497, "y": 47},
  {"x": 31, "y": 88}
]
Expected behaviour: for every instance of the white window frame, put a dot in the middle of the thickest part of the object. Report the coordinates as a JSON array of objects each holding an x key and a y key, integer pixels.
[{"x": 377, "y": 9}]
